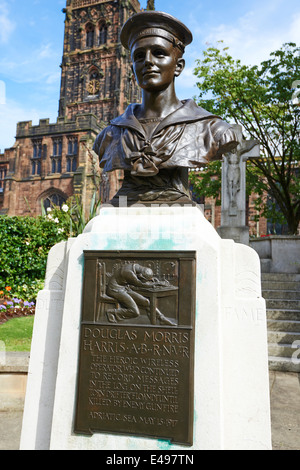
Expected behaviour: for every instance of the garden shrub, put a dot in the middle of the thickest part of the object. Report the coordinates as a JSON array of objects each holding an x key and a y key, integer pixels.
[{"x": 24, "y": 246}]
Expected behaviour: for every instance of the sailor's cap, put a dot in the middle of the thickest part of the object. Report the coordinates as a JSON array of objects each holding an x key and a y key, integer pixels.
[{"x": 155, "y": 23}]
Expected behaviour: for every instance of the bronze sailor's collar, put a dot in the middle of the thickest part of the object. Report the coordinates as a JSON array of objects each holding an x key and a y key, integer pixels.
[{"x": 187, "y": 113}]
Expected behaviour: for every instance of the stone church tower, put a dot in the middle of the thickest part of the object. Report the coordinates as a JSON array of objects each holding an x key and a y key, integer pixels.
[
  {"x": 51, "y": 162},
  {"x": 96, "y": 70}
]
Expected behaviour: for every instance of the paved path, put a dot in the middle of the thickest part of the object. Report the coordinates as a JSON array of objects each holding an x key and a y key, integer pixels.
[
  {"x": 285, "y": 413},
  {"x": 285, "y": 410}
]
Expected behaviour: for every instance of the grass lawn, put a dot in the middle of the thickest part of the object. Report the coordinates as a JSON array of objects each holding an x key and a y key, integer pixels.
[{"x": 17, "y": 333}]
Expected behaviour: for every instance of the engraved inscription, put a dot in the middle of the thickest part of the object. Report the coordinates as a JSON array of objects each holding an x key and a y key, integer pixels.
[
  {"x": 242, "y": 313},
  {"x": 135, "y": 376}
]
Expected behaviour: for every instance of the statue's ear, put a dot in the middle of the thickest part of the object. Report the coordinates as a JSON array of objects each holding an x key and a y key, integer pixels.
[{"x": 179, "y": 67}]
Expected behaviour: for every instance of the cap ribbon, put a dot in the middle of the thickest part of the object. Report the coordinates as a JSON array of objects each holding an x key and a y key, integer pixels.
[{"x": 157, "y": 32}]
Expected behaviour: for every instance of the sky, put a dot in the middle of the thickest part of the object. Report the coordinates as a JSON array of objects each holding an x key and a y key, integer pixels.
[{"x": 31, "y": 47}]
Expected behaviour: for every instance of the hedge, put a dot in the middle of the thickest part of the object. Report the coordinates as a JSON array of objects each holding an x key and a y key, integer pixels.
[{"x": 24, "y": 246}]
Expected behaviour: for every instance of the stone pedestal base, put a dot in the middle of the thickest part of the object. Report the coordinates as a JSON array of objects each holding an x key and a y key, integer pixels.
[
  {"x": 237, "y": 234},
  {"x": 232, "y": 408}
]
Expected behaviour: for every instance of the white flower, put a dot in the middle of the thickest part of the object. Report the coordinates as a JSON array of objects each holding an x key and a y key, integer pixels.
[
  {"x": 49, "y": 209},
  {"x": 56, "y": 220},
  {"x": 50, "y": 217},
  {"x": 64, "y": 208},
  {"x": 60, "y": 230}
]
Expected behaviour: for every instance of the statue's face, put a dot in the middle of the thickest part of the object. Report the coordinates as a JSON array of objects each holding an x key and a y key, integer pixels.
[{"x": 156, "y": 62}]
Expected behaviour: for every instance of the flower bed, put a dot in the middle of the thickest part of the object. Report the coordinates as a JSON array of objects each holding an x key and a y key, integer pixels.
[{"x": 13, "y": 307}]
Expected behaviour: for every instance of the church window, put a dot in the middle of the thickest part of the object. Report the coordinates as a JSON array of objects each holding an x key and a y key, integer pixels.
[
  {"x": 54, "y": 199},
  {"x": 56, "y": 156},
  {"x": 90, "y": 31},
  {"x": 57, "y": 147},
  {"x": 3, "y": 171},
  {"x": 102, "y": 34},
  {"x": 72, "y": 146},
  {"x": 36, "y": 161},
  {"x": 72, "y": 154}
]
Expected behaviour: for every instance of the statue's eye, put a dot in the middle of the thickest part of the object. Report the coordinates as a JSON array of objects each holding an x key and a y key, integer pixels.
[
  {"x": 139, "y": 56},
  {"x": 159, "y": 53}
]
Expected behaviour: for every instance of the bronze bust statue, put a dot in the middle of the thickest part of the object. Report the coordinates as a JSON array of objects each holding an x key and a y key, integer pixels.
[{"x": 157, "y": 141}]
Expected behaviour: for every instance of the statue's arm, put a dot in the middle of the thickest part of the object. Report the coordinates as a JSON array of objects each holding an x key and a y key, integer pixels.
[{"x": 225, "y": 138}]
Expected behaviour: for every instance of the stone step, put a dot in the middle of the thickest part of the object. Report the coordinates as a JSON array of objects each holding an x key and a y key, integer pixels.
[
  {"x": 283, "y": 304},
  {"x": 280, "y": 277},
  {"x": 283, "y": 314},
  {"x": 12, "y": 392},
  {"x": 281, "y": 294},
  {"x": 281, "y": 285},
  {"x": 14, "y": 362},
  {"x": 284, "y": 325},
  {"x": 283, "y": 337},
  {"x": 284, "y": 364},
  {"x": 282, "y": 350}
]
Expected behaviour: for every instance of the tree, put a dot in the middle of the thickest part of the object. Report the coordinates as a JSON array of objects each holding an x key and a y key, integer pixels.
[{"x": 261, "y": 100}]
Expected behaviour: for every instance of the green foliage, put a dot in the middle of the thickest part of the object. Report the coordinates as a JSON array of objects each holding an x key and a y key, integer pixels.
[
  {"x": 24, "y": 246},
  {"x": 260, "y": 99}
]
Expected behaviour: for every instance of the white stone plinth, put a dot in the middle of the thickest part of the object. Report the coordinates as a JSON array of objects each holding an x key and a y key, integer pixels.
[{"x": 232, "y": 407}]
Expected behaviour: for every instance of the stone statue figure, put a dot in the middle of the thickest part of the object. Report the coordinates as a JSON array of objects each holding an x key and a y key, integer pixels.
[
  {"x": 157, "y": 141},
  {"x": 233, "y": 179}
]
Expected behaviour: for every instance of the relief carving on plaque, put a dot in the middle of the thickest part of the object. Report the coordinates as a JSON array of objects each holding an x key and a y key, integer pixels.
[{"x": 145, "y": 291}]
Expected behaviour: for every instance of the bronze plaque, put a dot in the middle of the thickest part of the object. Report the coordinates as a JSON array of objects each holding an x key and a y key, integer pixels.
[{"x": 136, "y": 364}]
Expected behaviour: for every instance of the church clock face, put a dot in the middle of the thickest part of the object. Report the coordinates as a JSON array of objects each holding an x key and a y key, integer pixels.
[{"x": 93, "y": 86}]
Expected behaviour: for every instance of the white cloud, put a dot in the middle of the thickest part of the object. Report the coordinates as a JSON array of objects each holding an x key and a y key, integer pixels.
[
  {"x": 261, "y": 28},
  {"x": 45, "y": 52},
  {"x": 10, "y": 114},
  {"x": 295, "y": 29},
  {"x": 187, "y": 78},
  {"x": 264, "y": 28},
  {"x": 7, "y": 26},
  {"x": 39, "y": 65},
  {"x": 53, "y": 78}
]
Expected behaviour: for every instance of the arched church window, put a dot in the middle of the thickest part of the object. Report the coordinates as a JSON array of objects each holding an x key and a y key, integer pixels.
[
  {"x": 102, "y": 34},
  {"x": 90, "y": 32},
  {"x": 53, "y": 200}
]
